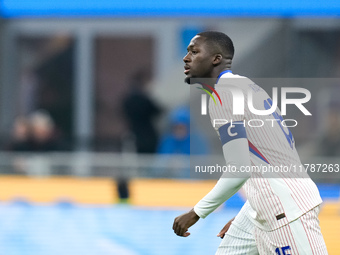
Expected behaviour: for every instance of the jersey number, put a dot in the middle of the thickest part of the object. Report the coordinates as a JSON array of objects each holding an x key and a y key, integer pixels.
[{"x": 283, "y": 250}]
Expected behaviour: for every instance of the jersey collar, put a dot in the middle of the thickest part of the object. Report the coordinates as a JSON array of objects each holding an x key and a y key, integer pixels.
[{"x": 224, "y": 72}]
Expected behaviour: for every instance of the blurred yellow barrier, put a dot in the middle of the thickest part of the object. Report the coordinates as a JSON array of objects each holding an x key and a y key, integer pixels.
[
  {"x": 330, "y": 225},
  {"x": 52, "y": 189},
  {"x": 143, "y": 192},
  {"x": 164, "y": 192},
  {"x": 186, "y": 193}
]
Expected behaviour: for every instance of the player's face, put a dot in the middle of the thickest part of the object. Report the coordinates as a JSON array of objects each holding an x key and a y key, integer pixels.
[{"x": 198, "y": 61}]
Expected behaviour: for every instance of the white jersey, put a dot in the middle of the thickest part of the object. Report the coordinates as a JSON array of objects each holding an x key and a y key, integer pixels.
[
  {"x": 274, "y": 201},
  {"x": 302, "y": 236}
]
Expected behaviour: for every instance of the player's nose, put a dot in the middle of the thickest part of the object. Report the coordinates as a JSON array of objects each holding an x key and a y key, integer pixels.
[{"x": 186, "y": 58}]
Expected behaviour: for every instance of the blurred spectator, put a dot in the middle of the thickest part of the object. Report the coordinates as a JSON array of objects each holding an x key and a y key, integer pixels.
[
  {"x": 178, "y": 140},
  {"x": 20, "y": 135},
  {"x": 54, "y": 73},
  {"x": 140, "y": 111},
  {"x": 36, "y": 133},
  {"x": 43, "y": 133},
  {"x": 330, "y": 141}
]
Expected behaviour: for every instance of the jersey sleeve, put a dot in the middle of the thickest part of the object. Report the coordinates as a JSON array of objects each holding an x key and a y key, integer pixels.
[{"x": 236, "y": 153}]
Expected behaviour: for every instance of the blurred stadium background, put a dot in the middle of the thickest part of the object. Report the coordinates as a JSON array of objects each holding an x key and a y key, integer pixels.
[{"x": 78, "y": 77}]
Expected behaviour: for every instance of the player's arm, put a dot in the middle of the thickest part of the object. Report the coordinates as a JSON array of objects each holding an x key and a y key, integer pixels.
[
  {"x": 183, "y": 222},
  {"x": 236, "y": 153}
]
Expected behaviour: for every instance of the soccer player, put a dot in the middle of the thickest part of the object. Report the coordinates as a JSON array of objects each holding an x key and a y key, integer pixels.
[{"x": 280, "y": 215}]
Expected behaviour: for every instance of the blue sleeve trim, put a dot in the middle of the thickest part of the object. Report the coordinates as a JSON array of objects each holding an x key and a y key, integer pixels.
[{"x": 230, "y": 132}]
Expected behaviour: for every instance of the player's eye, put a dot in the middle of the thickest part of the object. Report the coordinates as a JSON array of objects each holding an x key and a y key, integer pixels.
[{"x": 194, "y": 51}]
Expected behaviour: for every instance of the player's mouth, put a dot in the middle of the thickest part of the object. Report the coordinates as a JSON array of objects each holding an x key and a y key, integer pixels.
[{"x": 186, "y": 69}]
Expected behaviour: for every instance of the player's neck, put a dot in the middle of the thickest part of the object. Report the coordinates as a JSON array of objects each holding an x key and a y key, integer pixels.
[
  {"x": 224, "y": 66},
  {"x": 219, "y": 72}
]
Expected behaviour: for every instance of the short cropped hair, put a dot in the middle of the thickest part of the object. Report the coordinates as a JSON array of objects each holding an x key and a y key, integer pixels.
[{"x": 219, "y": 43}]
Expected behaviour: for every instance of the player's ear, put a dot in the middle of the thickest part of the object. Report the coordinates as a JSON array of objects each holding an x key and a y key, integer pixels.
[{"x": 217, "y": 59}]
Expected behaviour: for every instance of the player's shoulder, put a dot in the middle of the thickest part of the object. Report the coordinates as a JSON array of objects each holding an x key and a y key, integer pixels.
[
  {"x": 229, "y": 75},
  {"x": 230, "y": 82}
]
